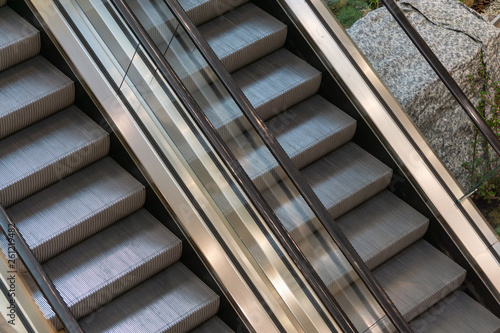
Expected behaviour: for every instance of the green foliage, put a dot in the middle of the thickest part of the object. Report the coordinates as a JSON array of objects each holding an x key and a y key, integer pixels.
[
  {"x": 483, "y": 158},
  {"x": 349, "y": 11}
]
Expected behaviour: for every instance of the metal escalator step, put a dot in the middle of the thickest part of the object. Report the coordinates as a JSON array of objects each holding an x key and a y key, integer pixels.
[
  {"x": 272, "y": 84},
  {"x": 31, "y": 91},
  {"x": 415, "y": 279},
  {"x": 174, "y": 300},
  {"x": 109, "y": 263},
  {"x": 213, "y": 325},
  {"x": 342, "y": 180},
  {"x": 160, "y": 24},
  {"x": 378, "y": 229},
  {"x": 244, "y": 35},
  {"x": 67, "y": 212},
  {"x": 456, "y": 313},
  {"x": 238, "y": 38},
  {"x": 47, "y": 151},
  {"x": 201, "y": 11},
  {"x": 306, "y": 132},
  {"x": 19, "y": 40}
]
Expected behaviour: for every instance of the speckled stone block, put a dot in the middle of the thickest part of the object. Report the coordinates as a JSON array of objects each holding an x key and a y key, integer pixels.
[{"x": 457, "y": 35}]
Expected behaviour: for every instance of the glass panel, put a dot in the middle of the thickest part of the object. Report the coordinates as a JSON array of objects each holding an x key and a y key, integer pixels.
[
  {"x": 177, "y": 129},
  {"x": 255, "y": 158},
  {"x": 151, "y": 98}
]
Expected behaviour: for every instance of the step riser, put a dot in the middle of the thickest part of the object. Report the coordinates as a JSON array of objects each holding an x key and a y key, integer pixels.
[
  {"x": 165, "y": 290},
  {"x": 239, "y": 125},
  {"x": 19, "y": 52},
  {"x": 37, "y": 110},
  {"x": 122, "y": 284},
  {"x": 211, "y": 9},
  {"x": 299, "y": 233},
  {"x": 54, "y": 172},
  {"x": 303, "y": 159},
  {"x": 90, "y": 226}
]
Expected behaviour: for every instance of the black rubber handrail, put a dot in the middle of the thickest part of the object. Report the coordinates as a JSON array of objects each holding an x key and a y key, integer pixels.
[
  {"x": 443, "y": 74},
  {"x": 289, "y": 167},
  {"x": 35, "y": 269},
  {"x": 235, "y": 168}
]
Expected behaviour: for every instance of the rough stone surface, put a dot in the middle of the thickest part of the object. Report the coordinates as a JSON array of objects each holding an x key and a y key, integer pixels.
[{"x": 457, "y": 35}]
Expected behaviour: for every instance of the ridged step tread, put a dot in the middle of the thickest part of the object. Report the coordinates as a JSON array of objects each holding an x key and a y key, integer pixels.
[
  {"x": 213, "y": 325},
  {"x": 19, "y": 40},
  {"x": 342, "y": 180},
  {"x": 67, "y": 212},
  {"x": 378, "y": 229},
  {"x": 457, "y": 313},
  {"x": 159, "y": 22},
  {"x": 47, "y": 151},
  {"x": 31, "y": 91},
  {"x": 237, "y": 38},
  {"x": 174, "y": 300},
  {"x": 272, "y": 85},
  {"x": 415, "y": 279},
  {"x": 306, "y": 132},
  {"x": 110, "y": 262}
]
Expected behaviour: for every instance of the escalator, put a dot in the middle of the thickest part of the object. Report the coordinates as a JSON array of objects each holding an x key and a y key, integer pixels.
[
  {"x": 353, "y": 185},
  {"x": 117, "y": 267},
  {"x": 80, "y": 212}
]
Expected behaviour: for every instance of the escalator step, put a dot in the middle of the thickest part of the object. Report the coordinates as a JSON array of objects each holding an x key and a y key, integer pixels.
[
  {"x": 244, "y": 35},
  {"x": 342, "y": 180},
  {"x": 31, "y": 91},
  {"x": 238, "y": 38},
  {"x": 415, "y": 279},
  {"x": 213, "y": 325},
  {"x": 48, "y": 151},
  {"x": 67, "y": 212},
  {"x": 160, "y": 24},
  {"x": 378, "y": 229},
  {"x": 272, "y": 84},
  {"x": 306, "y": 132},
  {"x": 201, "y": 11},
  {"x": 110, "y": 262},
  {"x": 456, "y": 313},
  {"x": 19, "y": 40},
  {"x": 174, "y": 300}
]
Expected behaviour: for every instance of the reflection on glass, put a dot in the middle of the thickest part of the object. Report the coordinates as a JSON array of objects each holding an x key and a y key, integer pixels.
[{"x": 282, "y": 113}]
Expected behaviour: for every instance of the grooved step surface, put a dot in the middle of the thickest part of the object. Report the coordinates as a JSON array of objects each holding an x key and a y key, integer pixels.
[
  {"x": 110, "y": 262},
  {"x": 456, "y": 313},
  {"x": 244, "y": 35},
  {"x": 48, "y": 151},
  {"x": 213, "y": 325},
  {"x": 76, "y": 207},
  {"x": 19, "y": 40},
  {"x": 160, "y": 23},
  {"x": 31, "y": 91},
  {"x": 174, "y": 300},
  {"x": 342, "y": 180},
  {"x": 272, "y": 84},
  {"x": 200, "y": 11},
  {"x": 377, "y": 229},
  {"x": 237, "y": 38},
  {"x": 306, "y": 132},
  {"x": 415, "y": 279}
]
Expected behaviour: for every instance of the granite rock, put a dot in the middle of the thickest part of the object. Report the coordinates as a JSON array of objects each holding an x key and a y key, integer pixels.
[{"x": 457, "y": 35}]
